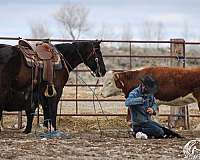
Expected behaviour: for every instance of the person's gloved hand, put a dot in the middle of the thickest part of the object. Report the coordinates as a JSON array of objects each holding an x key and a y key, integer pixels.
[{"x": 150, "y": 110}]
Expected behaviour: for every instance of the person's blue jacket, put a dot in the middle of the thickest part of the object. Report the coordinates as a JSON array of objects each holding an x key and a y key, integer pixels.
[{"x": 138, "y": 103}]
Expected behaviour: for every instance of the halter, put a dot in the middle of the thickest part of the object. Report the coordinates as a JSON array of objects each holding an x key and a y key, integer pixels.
[{"x": 93, "y": 52}]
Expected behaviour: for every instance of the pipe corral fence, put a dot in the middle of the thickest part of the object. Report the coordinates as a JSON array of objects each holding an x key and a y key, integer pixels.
[{"x": 130, "y": 57}]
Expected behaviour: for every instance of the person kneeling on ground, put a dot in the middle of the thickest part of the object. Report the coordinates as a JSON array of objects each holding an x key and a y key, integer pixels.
[{"x": 142, "y": 105}]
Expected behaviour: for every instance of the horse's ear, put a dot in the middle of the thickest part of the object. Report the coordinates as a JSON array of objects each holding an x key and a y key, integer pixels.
[
  {"x": 98, "y": 41},
  {"x": 75, "y": 44}
]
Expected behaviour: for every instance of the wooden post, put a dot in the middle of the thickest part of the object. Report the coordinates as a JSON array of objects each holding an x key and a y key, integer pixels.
[
  {"x": 38, "y": 115},
  {"x": 19, "y": 119},
  {"x": 177, "y": 48}
]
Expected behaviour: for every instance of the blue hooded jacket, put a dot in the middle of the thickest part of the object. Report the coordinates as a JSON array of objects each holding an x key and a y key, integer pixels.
[{"x": 138, "y": 103}]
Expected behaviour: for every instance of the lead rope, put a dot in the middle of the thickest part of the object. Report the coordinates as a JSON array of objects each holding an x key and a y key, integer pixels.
[
  {"x": 98, "y": 66},
  {"x": 101, "y": 133},
  {"x": 94, "y": 94},
  {"x": 77, "y": 50},
  {"x": 93, "y": 91}
]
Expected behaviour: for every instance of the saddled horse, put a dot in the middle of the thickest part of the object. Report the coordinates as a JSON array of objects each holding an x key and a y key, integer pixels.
[
  {"x": 87, "y": 52},
  {"x": 10, "y": 100}
]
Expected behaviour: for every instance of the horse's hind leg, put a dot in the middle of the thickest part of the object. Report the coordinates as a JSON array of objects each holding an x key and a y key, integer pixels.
[
  {"x": 46, "y": 115},
  {"x": 29, "y": 114},
  {"x": 52, "y": 105},
  {"x": 196, "y": 94},
  {"x": 128, "y": 118},
  {"x": 1, "y": 126}
]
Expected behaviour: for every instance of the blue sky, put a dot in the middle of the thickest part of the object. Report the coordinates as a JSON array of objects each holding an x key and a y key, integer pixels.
[{"x": 175, "y": 15}]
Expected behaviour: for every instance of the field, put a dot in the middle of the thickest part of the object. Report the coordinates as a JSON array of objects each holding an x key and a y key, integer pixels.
[
  {"x": 92, "y": 137},
  {"x": 86, "y": 141}
]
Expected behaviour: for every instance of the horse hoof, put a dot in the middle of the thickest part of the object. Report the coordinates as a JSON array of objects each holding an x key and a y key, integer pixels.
[
  {"x": 26, "y": 131},
  {"x": 1, "y": 129}
]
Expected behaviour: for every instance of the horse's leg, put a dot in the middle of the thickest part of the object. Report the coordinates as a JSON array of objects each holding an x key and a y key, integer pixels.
[
  {"x": 43, "y": 102},
  {"x": 46, "y": 115},
  {"x": 128, "y": 119},
  {"x": 1, "y": 127},
  {"x": 196, "y": 94},
  {"x": 30, "y": 115},
  {"x": 52, "y": 105}
]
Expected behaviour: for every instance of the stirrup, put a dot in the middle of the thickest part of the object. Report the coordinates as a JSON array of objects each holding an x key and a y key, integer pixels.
[{"x": 46, "y": 92}]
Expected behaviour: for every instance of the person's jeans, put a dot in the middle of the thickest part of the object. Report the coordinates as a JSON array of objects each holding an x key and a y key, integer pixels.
[{"x": 150, "y": 128}]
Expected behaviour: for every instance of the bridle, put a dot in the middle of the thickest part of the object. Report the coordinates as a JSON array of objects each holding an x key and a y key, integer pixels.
[{"x": 92, "y": 53}]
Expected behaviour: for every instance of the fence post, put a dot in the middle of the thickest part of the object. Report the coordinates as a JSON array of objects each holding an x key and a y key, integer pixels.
[
  {"x": 130, "y": 55},
  {"x": 76, "y": 90},
  {"x": 177, "y": 48},
  {"x": 19, "y": 120}
]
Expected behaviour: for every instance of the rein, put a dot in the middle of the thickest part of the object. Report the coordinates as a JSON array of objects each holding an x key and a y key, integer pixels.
[
  {"x": 93, "y": 52},
  {"x": 93, "y": 90}
]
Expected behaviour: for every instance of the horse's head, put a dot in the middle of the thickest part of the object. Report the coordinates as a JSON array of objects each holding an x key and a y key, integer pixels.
[{"x": 90, "y": 54}]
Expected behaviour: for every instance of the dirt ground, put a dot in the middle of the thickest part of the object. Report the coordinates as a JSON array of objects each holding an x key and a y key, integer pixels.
[
  {"x": 91, "y": 138},
  {"x": 87, "y": 142}
]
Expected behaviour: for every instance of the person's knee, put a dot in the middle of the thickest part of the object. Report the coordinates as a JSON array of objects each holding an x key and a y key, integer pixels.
[
  {"x": 155, "y": 131},
  {"x": 159, "y": 132}
]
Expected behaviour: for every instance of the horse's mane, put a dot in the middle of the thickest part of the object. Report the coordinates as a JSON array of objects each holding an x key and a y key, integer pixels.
[{"x": 3, "y": 45}]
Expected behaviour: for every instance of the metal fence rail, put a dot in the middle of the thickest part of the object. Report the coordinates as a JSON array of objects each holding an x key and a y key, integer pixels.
[{"x": 128, "y": 56}]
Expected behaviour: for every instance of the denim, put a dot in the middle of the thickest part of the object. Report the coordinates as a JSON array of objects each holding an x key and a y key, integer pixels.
[
  {"x": 138, "y": 104},
  {"x": 150, "y": 128}
]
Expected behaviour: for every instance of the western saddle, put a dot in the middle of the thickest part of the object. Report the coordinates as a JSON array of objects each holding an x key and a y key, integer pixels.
[{"x": 42, "y": 55}]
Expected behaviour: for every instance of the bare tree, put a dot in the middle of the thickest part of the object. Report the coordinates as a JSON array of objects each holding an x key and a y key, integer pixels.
[
  {"x": 127, "y": 33},
  {"x": 152, "y": 30},
  {"x": 73, "y": 18},
  {"x": 39, "y": 29},
  {"x": 106, "y": 32},
  {"x": 159, "y": 33},
  {"x": 147, "y": 30},
  {"x": 185, "y": 32}
]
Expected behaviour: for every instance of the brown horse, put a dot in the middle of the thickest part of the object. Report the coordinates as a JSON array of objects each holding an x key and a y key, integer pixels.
[
  {"x": 74, "y": 54},
  {"x": 10, "y": 100}
]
